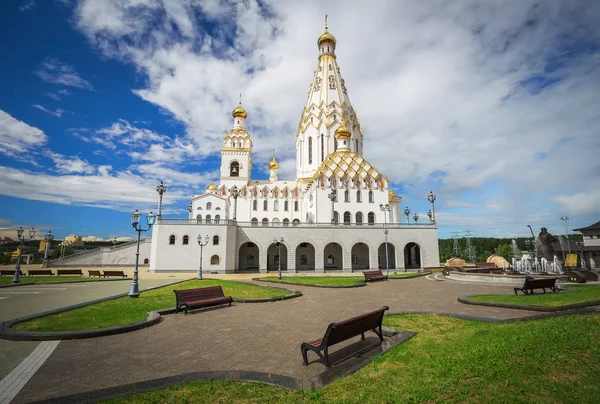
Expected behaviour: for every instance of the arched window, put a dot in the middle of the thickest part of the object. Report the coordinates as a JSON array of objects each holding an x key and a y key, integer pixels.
[
  {"x": 295, "y": 206},
  {"x": 214, "y": 260},
  {"x": 276, "y": 205},
  {"x": 347, "y": 217},
  {"x": 217, "y": 219},
  {"x": 216, "y": 240},
  {"x": 186, "y": 240},
  {"x": 310, "y": 150},
  {"x": 322, "y": 148},
  {"x": 303, "y": 259},
  {"x": 265, "y": 205},
  {"x": 358, "y": 196},
  {"x": 254, "y": 221},
  {"x": 172, "y": 239},
  {"x": 234, "y": 169},
  {"x": 146, "y": 262},
  {"x": 199, "y": 208},
  {"x": 371, "y": 218},
  {"x": 255, "y": 205},
  {"x": 208, "y": 206},
  {"x": 217, "y": 208},
  {"x": 199, "y": 218},
  {"x": 356, "y": 145},
  {"x": 336, "y": 218},
  {"x": 286, "y": 222},
  {"x": 346, "y": 196},
  {"x": 265, "y": 222},
  {"x": 285, "y": 205},
  {"x": 207, "y": 219},
  {"x": 371, "y": 196},
  {"x": 295, "y": 222},
  {"x": 250, "y": 260},
  {"x": 359, "y": 217}
]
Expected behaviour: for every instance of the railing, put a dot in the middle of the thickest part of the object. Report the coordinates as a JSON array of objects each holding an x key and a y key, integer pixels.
[
  {"x": 97, "y": 250},
  {"x": 295, "y": 224}
]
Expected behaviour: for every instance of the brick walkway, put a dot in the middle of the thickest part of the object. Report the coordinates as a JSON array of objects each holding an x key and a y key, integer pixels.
[{"x": 251, "y": 337}]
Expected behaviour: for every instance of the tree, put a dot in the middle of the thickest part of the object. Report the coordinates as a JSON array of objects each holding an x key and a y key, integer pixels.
[{"x": 506, "y": 251}]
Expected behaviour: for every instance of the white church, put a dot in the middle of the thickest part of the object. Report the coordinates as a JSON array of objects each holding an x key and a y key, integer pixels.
[{"x": 334, "y": 216}]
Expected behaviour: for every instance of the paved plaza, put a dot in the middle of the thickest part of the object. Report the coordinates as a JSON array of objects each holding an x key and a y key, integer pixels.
[{"x": 262, "y": 337}]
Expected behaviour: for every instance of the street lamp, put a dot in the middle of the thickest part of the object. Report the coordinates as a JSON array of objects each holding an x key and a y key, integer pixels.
[
  {"x": 564, "y": 219},
  {"x": 431, "y": 198},
  {"x": 48, "y": 239},
  {"x": 189, "y": 209},
  {"x": 17, "y": 277},
  {"x": 333, "y": 196},
  {"x": 201, "y": 244},
  {"x": 278, "y": 244},
  {"x": 430, "y": 216},
  {"x": 161, "y": 189},
  {"x": 385, "y": 208},
  {"x": 235, "y": 193},
  {"x": 135, "y": 222},
  {"x": 407, "y": 213},
  {"x": 415, "y": 218}
]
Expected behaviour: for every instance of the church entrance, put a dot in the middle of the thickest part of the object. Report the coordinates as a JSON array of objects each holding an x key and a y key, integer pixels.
[
  {"x": 273, "y": 258},
  {"x": 391, "y": 256},
  {"x": 360, "y": 257},
  {"x": 412, "y": 256},
  {"x": 305, "y": 257},
  {"x": 248, "y": 257},
  {"x": 333, "y": 259}
]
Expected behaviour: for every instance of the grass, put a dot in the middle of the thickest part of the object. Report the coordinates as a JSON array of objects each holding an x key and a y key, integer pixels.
[
  {"x": 400, "y": 275},
  {"x": 125, "y": 310},
  {"x": 581, "y": 294},
  {"x": 5, "y": 280},
  {"x": 554, "y": 360},
  {"x": 319, "y": 280}
]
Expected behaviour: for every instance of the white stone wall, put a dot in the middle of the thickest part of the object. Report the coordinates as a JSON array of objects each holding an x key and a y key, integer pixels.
[{"x": 107, "y": 256}]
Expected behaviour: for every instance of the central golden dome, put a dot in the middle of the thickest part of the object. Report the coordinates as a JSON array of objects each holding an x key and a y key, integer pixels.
[
  {"x": 342, "y": 131},
  {"x": 212, "y": 187},
  {"x": 273, "y": 164},
  {"x": 239, "y": 112},
  {"x": 326, "y": 38}
]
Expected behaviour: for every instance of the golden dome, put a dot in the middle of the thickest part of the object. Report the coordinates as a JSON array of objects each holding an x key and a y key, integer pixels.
[
  {"x": 273, "y": 164},
  {"x": 212, "y": 187},
  {"x": 391, "y": 195},
  {"x": 239, "y": 112},
  {"x": 326, "y": 38},
  {"x": 342, "y": 131}
]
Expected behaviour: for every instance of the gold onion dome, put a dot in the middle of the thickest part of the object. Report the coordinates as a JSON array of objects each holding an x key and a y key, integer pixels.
[
  {"x": 342, "y": 131},
  {"x": 239, "y": 112},
  {"x": 212, "y": 187},
  {"x": 326, "y": 38},
  {"x": 273, "y": 164}
]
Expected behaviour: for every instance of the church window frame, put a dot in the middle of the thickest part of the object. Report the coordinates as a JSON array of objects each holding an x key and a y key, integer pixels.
[
  {"x": 185, "y": 240},
  {"x": 215, "y": 240},
  {"x": 336, "y": 217},
  {"x": 310, "y": 150},
  {"x": 199, "y": 218},
  {"x": 286, "y": 222},
  {"x": 208, "y": 206},
  {"x": 286, "y": 206},
  {"x": 295, "y": 206},
  {"x": 322, "y": 148},
  {"x": 276, "y": 205},
  {"x": 359, "y": 196},
  {"x": 215, "y": 260},
  {"x": 346, "y": 196},
  {"x": 371, "y": 199},
  {"x": 207, "y": 219},
  {"x": 347, "y": 218},
  {"x": 172, "y": 239},
  {"x": 255, "y": 205},
  {"x": 371, "y": 218},
  {"x": 295, "y": 222},
  {"x": 359, "y": 218},
  {"x": 217, "y": 219},
  {"x": 265, "y": 205},
  {"x": 265, "y": 222},
  {"x": 254, "y": 222},
  {"x": 234, "y": 169}
]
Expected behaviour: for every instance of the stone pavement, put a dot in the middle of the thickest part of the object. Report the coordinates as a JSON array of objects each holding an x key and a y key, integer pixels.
[{"x": 262, "y": 337}]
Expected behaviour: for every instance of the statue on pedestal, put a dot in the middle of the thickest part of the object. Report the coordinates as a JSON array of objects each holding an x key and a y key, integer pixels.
[{"x": 546, "y": 240}]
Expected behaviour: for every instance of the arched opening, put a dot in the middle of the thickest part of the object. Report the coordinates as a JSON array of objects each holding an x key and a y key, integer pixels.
[
  {"x": 358, "y": 196},
  {"x": 371, "y": 218},
  {"x": 275, "y": 221},
  {"x": 295, "y": 222},
  {"x": 199, "y": 218},
  {"x": 310, "y": 149},
  {"x": 286, "y": 222},
  {"x": 255, "y": 205},
  {"x": 172, "y": 239},
  {"x": 285, "y": 205},
  {"x": 207, "y": 219},
  {"x": 265, "y": 205},
  {"x": 347, "y": 217},
  {"x": 276, "y": 205},
  {"x": 359, "y": 217},
  {"x": 186, "y": 240},
  {"x": 391, "y": 256},
  {"x": 295, "y": 206},
  {"x": 234, "y": 169},
  {"x": 216, "y": 240},
  {"x": 146, "y": 261},
  {"x": 336, "y": 217},
  {"x": 274, "y": 257},
  {"x": 265, "y": 222},
  {"x": 346, "y": 196},
  {"x": 208, "y": 205},
  {"x": 360, "y": 256},
  {"x": 254, "y": 221},
  {"x": 248, "y": 257},
  {"x": 217, "y": 219},
  {"x": 333, "y": 258},
  {"x": 305, "y": 257},
  {"x": 371, "y": 199},
  {"x": 214, "y": 260},
  {"x": 412, "y": 256}
]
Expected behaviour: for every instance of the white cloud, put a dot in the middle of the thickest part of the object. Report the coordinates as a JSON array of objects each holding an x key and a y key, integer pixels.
[
  {"x": 58, "y": 95},
  {"x": 58, "y": 113},
  {"x": 54, "y": 71},
  {"x": 27, "y": 6},
  {"x": 17, "y": 137},
  {"x": 70, "y": 164}
]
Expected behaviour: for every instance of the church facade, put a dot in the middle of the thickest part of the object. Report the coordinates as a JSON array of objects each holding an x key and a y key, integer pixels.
[{"x": 333, "y": 217}]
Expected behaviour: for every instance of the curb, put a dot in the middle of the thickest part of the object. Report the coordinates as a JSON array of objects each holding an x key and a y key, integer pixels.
[
  {"x": 358, "y": 285},
  {"x": 59, "y": 283},
  {"x": 496, "y": 320},
  {"x": 465, "y": 300}
]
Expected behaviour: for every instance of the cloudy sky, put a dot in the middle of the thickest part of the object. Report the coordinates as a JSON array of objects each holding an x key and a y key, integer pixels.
[{"x": 495, "y": 106}]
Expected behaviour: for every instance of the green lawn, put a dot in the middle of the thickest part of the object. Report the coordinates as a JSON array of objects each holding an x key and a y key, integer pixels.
[
  {"x": 582, "y": 293},
  {"x": 400, "y": 275},
  {"x": 320, "y": 280},
  {"x": 126, "y": 310},
  {"x": 554, "y": 360},
  {"x": 5, "y": 280}
]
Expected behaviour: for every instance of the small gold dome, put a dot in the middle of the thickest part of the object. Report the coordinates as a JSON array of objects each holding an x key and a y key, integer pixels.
[
  {"x": 391, "y": 195},
  {"x": 212, "y": 187},
  {"x": 239, "y": 112},
  {"x": 326, "y": 38},
  {"x": 273, "y": 164},
  {"x": 342, "y": 131}
]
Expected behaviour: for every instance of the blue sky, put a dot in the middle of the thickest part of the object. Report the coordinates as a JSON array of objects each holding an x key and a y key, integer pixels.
[{"x": 494, "y": 107}]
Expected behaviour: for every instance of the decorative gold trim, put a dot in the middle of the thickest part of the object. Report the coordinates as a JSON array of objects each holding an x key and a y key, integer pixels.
[{"x": 239, "y": 149}]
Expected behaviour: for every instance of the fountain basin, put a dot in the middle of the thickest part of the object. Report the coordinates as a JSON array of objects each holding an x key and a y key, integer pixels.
[{"x": 501, "y": 278}]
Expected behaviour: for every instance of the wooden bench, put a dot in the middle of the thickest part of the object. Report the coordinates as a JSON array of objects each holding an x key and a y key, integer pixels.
[
  {"x": 40, "y": 272},
  {"x": 338, "y": 332},
  {"x": 69, "y": 272},
  {"x": 375, "y": 275},
  {"x": 200, "y": 297},
  {"x": 93, "y": 272},
  {"x": 10, "y": 272},
  {"x": 531, "y": 284},
  {"x": 114, "y": 273}
]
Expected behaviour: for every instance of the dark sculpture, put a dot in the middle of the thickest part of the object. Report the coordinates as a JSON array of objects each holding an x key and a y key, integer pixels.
[{"x": 546, "y": 240}]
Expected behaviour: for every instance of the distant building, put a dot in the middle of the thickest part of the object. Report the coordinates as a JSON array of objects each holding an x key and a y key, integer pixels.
[
  {"x": 591, "y": 244},
  {"x": 73, "y": 240},
  {"x": 6, "y": 240}
]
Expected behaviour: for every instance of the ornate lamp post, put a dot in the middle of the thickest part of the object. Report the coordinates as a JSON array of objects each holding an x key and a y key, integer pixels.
[
  {"x": 17, "y": 277},
  {"x": 278, "y": 244},
  {"x": 431, "y": 199},
  {"x": 430, "y": 216},
  {"x": 161, "y": 189},
  {"x": 564, "y": 219},
  {"x": 48, "y": 239},
  {"x": 201, "y": 244},
  {"x": 333, "y": 196},
  {"x": 415, "y": 218},
  {"x": 135, "y": 222},
  {"x": 385, "y": 209},
  {"x": 235, "y": 193},
  {"x": 407, "y": 213},
  {"x": 189, "y": 209}
]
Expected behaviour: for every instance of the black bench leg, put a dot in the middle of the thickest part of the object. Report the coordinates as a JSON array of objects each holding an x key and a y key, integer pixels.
[
  {"x": 327, "y": 357},
  {"x": 304, "y": 355},
  {"x": 362, "y": 336}
]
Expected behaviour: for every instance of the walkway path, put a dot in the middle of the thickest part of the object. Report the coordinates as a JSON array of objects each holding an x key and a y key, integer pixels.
[{"x": 250, "y": 337}]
